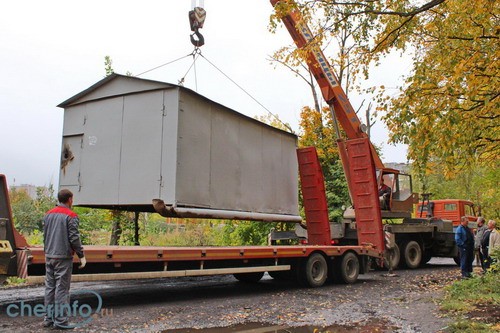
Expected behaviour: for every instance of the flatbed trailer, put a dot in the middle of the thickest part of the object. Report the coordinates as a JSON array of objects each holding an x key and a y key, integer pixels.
[
  {"x": 415, "y": 241},
  {"x": 310, "y": 265},
  {"x": 247, "y": 263}
]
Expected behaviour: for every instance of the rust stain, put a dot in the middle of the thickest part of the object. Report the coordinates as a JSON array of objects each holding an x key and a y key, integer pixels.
[{"x": 66, "y": 157}]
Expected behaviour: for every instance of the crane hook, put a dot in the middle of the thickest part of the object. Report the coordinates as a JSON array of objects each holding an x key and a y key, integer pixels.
[
  {"x": 200, "y": 41},
  {"x": 196, "y": 20}
]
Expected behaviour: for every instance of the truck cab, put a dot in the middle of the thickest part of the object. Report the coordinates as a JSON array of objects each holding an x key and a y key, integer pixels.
[
  {"x": 449, "y": 209},
  {"x": 401, "y": 198}
]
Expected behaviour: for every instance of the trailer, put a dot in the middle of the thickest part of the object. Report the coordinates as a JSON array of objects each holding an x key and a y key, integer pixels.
[
  {"x": 414, "y": 241},
  {"x": 309, "y": 265}
]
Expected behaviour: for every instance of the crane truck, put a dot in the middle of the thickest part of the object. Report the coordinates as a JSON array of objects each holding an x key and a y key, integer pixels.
[{"x": 414, "y": 241}]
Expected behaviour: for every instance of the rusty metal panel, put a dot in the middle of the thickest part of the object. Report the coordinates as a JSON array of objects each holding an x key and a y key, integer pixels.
[{"x": 71, "y": 160}]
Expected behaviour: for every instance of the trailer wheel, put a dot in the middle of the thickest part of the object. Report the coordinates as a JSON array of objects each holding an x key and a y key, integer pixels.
[
  {"x": 412, "y": 254},
  {"x": 315, "y": 271},
  {"x": 347, "y": 269},
  {"x": 249, "y": 277},
  {"x": 395, "y": 257}
]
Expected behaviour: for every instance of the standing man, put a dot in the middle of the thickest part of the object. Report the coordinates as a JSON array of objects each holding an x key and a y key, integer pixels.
[
  {"x": 61, "y": 241},
  {"x": 494, "y": 242},
  {"x": 481, "y": 229},
  {"x": 465, "y": 242},
  {"x": 484, "y": 248}
]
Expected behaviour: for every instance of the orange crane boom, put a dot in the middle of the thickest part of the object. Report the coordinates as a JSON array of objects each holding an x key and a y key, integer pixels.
[{"x": 327, "y": 80}]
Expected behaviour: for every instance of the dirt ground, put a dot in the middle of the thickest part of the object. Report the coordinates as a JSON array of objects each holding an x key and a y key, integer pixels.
[{"x": 376, "y": 303}]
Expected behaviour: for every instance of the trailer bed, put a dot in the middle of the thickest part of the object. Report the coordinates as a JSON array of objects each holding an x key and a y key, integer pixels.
[{"x": 121, "y": 254}]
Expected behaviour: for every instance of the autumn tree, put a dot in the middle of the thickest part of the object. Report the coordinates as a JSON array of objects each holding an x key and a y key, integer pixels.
[
  {"x": 27, "y": 212},
  {"x": 478, "y": 184},
  {"x": 317, "y": 129},
  {"x": 447, "y": 111}
]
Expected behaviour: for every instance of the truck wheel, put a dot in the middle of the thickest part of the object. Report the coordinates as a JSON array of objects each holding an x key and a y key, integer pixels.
[
  {"x": 395, "y": 257},
  {"x": 315, "y": 271},
  {"x": 249, "y": 277},
  {"x": 457, "y": 260},
  {"x": 412, "y": 254},
  {"x": 347, "y": 269}
]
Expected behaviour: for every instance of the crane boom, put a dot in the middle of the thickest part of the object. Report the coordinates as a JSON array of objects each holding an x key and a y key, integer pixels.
[{"x": 328, "y": 82}]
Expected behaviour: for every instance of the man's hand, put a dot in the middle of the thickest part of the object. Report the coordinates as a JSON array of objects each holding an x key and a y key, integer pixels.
[{"x": 83, "y": 262}]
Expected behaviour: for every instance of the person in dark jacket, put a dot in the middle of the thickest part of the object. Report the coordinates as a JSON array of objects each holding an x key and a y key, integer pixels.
[
  {"x": 61, "y": 240},
  {"x": 481, "y": 229},
  {"x": 384, "y": 194},
  {"x": 484, "y": 247},
  {"x": 465, "y": 242}
]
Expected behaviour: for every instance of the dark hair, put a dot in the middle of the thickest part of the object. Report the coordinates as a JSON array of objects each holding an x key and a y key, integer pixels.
[{"x": 64, "y": 195}]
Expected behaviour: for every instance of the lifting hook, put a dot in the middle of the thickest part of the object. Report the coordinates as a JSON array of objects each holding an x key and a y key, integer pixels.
[
  {"x": 200, "y": 41},
  {"x": 196, "y": 20}
]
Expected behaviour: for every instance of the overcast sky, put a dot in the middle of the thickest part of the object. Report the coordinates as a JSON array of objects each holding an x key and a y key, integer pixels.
[{"x": 52, "y": 50}]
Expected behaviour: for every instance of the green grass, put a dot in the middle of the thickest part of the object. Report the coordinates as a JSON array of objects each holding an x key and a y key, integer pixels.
[
  {"x": 466, "y": 326},
  {"x": 463, "y": 296},
  {"x": 483, "y": 289},
  {"x": 13, "y": 281}
]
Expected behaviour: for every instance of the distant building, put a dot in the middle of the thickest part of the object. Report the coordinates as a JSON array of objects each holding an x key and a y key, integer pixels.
[
  {"x": 403, "y": 167},
  {"x": 30, "y": 190}
]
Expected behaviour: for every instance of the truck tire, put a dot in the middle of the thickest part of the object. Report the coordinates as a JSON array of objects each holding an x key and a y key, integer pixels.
[
  {"x": 457, "y": 260},
  {"x": 396, "y": 257},
  {"x": 412, "y": 254},
  {"x": 314, "y": 271},
  {"x": 249, "y": 277},
  {"x": 347, "y": 269}
]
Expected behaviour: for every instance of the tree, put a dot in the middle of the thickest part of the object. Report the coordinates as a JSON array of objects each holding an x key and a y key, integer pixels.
[
  {"x": 27, "y": 212},
  {"x": 24, "y": 214},
  {"x": 478, "y": 184},
  {"x": 447, "y": 111},
  {"x": 108, "y": 65},
  {"x": 317, "y": 130}
]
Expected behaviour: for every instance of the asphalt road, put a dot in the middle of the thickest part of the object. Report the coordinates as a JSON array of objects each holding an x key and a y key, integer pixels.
[{"x": 405, "y": 303}]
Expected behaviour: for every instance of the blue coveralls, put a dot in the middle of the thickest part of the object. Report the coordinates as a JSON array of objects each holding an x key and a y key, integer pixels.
[{"x": 465, "y": 242}]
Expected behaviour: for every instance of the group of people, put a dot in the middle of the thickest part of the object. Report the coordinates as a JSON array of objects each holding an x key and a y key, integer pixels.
[{"x": 479, "y": 245}]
